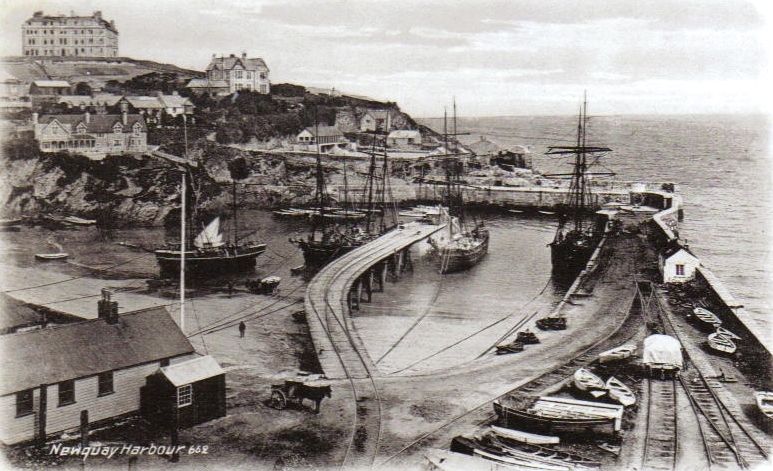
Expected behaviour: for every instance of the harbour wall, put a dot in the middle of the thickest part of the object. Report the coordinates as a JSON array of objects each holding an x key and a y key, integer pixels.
[{"x": 731, "y": 312}]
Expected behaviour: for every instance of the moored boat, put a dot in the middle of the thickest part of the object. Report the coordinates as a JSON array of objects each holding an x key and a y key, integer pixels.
[
  {"x": 621, "y": 393},
  {"x": 559, "y": 416},
  {"x": 726, "y": 333},
  {"x": 585, "y": 380},
  {"x": 51, "y": 256},
  {"x": 618, "y": 353},
  {"x": 707, "y": 317},
  {"x": 721, "y": 343},
  {"x": 525, "y": 437},
  {"x": 765, "y": 403}
]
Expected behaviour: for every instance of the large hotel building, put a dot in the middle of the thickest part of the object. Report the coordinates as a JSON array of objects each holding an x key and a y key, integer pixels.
[{"x": 82, "y": 36}]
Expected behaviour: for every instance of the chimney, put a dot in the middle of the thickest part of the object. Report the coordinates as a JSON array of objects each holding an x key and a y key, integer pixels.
[
  {"x": 87, "y": 117},
  {"x": 124, "y": 107},
  {"x": 244, "y": 54},
  {"x": 232, "y": 55},
  {"x": 124, "y": 118},
  {"x": 214, "y": 55},
  {"x": 34, "y": 118},
  {"x": 107, "y": 309},
  {"x": 72, "y": 12},
  {"x": 97, "y": 14}
]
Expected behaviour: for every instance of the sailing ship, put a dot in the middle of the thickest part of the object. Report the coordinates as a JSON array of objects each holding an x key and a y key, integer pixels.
[
  {"x": 331, "y": 236},
  {"x": 462, "y": 247},
  {"x": 575, "y": 237}
]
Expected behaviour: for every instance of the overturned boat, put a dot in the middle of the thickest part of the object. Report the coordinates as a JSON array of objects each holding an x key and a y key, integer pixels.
[
  {"x": 586, "y": 381},
  {"x": 622, "y": 352},
  {"x": 621, "y": 393}
]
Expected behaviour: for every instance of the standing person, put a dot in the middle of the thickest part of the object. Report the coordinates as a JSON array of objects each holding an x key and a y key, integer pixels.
[{"x": 242, "y": 328}]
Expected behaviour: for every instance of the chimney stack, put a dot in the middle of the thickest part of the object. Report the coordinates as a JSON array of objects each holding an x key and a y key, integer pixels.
[
  {"x": 232, "y": 55},
  {"x": 124, "y": 117},
  {"x": 244, "y": 54},
  {"x": 97, "y": 14},
  {"x": 34, "y": 118},
  {"x": 87, "y": 117},
  {"x": 107, "y": 309}
]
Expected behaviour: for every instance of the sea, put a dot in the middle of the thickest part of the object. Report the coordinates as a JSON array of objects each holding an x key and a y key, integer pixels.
[{"x": 721, "y": 164}]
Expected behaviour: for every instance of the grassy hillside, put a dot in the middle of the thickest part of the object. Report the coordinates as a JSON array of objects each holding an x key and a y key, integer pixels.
[{"x": 74, "y": 69}]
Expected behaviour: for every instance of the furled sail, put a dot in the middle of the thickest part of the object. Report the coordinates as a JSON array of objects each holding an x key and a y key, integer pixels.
[{"x": 210, "y": 236}]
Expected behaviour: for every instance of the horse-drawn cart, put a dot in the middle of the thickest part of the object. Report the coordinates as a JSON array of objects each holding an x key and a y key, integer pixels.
[{"x": 293, "y": 392}]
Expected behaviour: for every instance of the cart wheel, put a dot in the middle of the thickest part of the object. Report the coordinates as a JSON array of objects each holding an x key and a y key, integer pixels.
[{"x": 278, "y": 400}]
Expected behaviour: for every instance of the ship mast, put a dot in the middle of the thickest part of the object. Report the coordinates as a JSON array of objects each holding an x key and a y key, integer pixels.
[{"x": 320, "y": 178}]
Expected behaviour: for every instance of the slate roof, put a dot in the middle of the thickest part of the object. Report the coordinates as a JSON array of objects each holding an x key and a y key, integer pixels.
[
  {"x": 205, "y": 83},
  {"x": 145, "y": 102},
  {"x": 324, "y": 131},
  {"x": 190, "y": 371},
  {"x": 82, "y": 349},
  {"x": 485, "y": 147},
  {"x": 228, "y": 63},
  {"x": 105, "y": 99},
  {"x": 52, "y": 83},
  {"x": 673, "y": 248},
  {"x": 98, "y": 123},
  {"x": 175, "y": 101}
]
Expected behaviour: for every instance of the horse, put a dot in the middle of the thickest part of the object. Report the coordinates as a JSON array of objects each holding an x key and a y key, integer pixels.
[{"x": 315, "y": 393}]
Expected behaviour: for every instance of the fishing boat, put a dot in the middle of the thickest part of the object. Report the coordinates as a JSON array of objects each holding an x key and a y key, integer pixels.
[
  {"x": 620, "y": 392},
  {"x": 80, "y": 221},
  {"x": 527, "y": 337},
  {"x": 558, "y": 416},
  {"x": 551, "y": 323},
  {"x": 540, "y": 453},
  {"x": 726, "y": 333},
  {"x": 462, "y": 244},
  {"x": 525, "y": 437},
  {"x": 208, "y": 253},
  {"x": 45, "y": 257},
  {"x": 576, "y": 237},
  {"x": 584, "y": 380},
  {"x": 512, "y": 347},
  {"x": 765, "y": 403},
  {"x": 488, "y": 450},
  {"x": 622, "y": 352},
  {"x": 721, "y": 343},
  {"x": 706, "y": 317},
  {"x": 547, "y": 213}
]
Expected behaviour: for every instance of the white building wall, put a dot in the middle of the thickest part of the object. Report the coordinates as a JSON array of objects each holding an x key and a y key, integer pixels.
[{"x": 668, "y": 267}]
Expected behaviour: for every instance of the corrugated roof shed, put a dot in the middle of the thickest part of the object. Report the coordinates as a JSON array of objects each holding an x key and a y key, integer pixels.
[
  {"x": 87, "y": 348},
  {"x": 190, "y": 371}
]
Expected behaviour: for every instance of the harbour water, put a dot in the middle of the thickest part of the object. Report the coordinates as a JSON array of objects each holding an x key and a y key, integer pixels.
[{"x": 720, "y": 163}]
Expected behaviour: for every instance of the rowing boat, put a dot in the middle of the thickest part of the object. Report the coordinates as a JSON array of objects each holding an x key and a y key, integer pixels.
[
  {"x": 539, "y": 453},
  {"x": 512, "y": 347},
  {"x": 618, "y": 353},
  {"x": 706, "y": 316},
  {"x": 620, "y": 392},
  {"x": 726, "y": 333},
  {"x": 520, "y": 463},
  {"x": 444, "y": 460},
  {"x": 524, "y": 437},
  {"x": 80, "y": 221},
  {"x": 51, "y": 256},
  {"x": 765, "y": 402},
  {"x": 721, "y": 343},
  {"x": 584, "y": 380}
]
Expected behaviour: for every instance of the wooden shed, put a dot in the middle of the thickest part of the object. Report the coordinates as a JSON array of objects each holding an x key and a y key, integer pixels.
[{"x": 185, "y": 394}]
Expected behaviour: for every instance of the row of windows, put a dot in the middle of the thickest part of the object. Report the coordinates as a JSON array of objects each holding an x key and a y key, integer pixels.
[
  {"x": 66, "y": 393},
  {"x": 64, "y": 41},
  {"x": 52, "y": 52},
  {"x": 63, "y": 31},
  {"x": 66, "y": 22}
]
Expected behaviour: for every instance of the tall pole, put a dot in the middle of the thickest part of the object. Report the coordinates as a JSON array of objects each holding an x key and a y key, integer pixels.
[
  {"x": 236, "y": 221},
  {"x": 183, "y": 217}
]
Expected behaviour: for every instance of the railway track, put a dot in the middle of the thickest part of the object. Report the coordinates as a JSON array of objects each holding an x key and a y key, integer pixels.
[{"x": 661, "y": 442}]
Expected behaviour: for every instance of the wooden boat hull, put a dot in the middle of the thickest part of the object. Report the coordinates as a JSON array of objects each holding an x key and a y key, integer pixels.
[
  {"x": 573, "y": 428},
  {"x": 551, "y": 323},
  {"x": 47, "y": 257},
  {"x": 706, "y": 318},
  {"x": 617, "y": 354},
  {"x": 584, "y": 380},
  {"x": 764, "y": 401},
  {"x": 203, "y": 263},
  {"x": 525, "y": 437},
  {"x": 620, "y": 392},
  {"x": 457, "y": 259},
  {"x": 318, "y": 254},
  {"x": 569, "y": 259},
  {"x": 514, "y": 347},
  {"x": 721, "y": 344}
]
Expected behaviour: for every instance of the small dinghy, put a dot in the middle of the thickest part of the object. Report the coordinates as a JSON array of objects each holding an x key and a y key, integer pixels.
[
  {"x": 547, "y": 213},
  {"x": 80, "y": 221},
  {"x": 51, "y": 256},
  {"x": 527, "y": 337},
  {"x": 620, "y": 392},
  {"x": 706, "y": 316},
  {"x": 584, "y": 380},
  {"x": 765, "y": 403},
  {"x": 514, "y": 211},
  {"x": 512, "y": 347},
  {"x": 726, "y": 333},
  {"x": 721, "y": 343},
  {"x": 552, "y": 323},
  {"x": 618, "y": 353},
  {"x": 524, "y": 437}
]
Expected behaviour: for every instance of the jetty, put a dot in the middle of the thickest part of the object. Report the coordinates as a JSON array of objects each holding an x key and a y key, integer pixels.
[{"x": 346, "y": 282}]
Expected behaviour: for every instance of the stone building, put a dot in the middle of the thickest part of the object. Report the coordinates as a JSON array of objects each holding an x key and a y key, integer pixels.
[
  {"x": 91, "y": 134},
  {"x": 71, "y": 36},
  {"x": 238, "y": 73}
]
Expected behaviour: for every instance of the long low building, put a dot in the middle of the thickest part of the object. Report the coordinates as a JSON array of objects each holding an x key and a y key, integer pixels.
[{"x": 92, "y": 135}]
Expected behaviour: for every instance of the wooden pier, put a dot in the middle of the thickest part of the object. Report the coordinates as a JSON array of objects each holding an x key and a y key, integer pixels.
[{"x": 345, "y": 283}]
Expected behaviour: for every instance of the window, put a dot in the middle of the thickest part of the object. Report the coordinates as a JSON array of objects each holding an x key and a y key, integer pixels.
[
  {"x": 105, "y": 383},
  {"x": 184, "y": 395},
  {"x": 679, "y": 270},
  {"x": 24, "y": 403},
  {"x": 66, "y": 393}
]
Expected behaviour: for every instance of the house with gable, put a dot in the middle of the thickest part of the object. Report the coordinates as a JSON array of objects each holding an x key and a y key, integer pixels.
[
  {"x": 238, "y": 73},
  {"x": 376, "y": 120},
  {"x": 91, "y": 134},
  {"x": 677, "y": 264}
]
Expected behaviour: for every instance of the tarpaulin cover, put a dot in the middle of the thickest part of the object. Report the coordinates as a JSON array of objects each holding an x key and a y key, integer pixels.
[{"x": 662, "y": 350}]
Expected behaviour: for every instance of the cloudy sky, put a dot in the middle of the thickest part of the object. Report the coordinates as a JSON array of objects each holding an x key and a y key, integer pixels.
[{"x": 510, "y": 57}]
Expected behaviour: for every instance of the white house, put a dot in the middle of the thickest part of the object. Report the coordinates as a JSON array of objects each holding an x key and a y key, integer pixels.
[
  {"x": 404, "y": 137},
  {"x": 677, "y": 264},
  {"x": 239, "y": 73},
  {"x": 328, "y": 137},
  {"x": 54, "y": 378},
  {"x": 376, "y": 120}
]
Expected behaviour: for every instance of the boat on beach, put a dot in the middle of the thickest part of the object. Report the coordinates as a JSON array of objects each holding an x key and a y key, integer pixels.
[
  {"x": 585, "y": 380},
  {"x": 445, "y": 460},
  {"x": 524, "y": 437},
  {"x": 551, "y": 323},
  {"x": 527, "y": 337},
  {"x": 45, "y": 257},
  {"x": 79, "y": 221},
  {"x": 707, "y": 317},
  {"x": 621, "y": 393},
  {"x": 722, "y": 344},
  {"x": 764, "y": 401},
  {"x": 512, "y": 347},
  {"x": 726, "y": 333},
  {"x": 538, "y": 452},
  {"x": 618, "y": 353}
]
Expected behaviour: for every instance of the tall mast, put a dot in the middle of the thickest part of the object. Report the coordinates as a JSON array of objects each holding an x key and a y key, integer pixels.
[
  {"x": 447, "y": 160},
  {"x": 369, "y": 184},
  {"x": 183, "y": 217},
  {"x": 320, "y": 178},
  {"x": 236, "y": 221}
]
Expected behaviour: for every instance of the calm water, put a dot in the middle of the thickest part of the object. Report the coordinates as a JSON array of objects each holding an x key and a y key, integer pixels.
[{"x": 722, "y": 167}]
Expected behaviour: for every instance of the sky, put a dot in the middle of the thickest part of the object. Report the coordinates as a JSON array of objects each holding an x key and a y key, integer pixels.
[{"x": 510, "y": 57}]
